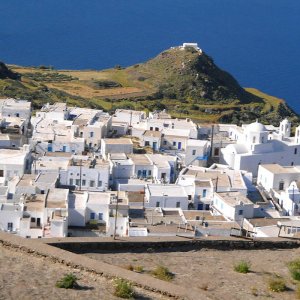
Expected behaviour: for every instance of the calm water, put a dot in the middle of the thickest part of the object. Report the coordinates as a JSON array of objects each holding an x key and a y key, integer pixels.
[{"x": 258, "y": 41}]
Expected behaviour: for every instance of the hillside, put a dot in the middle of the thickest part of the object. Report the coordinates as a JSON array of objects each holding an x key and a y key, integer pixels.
[{"x": 185, "y": 82}]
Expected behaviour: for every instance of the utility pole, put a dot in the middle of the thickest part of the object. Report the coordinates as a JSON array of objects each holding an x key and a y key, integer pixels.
[
  {"x": 80, "y": 174},
  {"x": 212, "y": 140},
  {"x": 116, "y": 217}
]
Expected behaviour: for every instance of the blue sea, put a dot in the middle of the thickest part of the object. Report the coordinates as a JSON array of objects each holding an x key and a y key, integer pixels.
[{"x": 258, "y": 41}]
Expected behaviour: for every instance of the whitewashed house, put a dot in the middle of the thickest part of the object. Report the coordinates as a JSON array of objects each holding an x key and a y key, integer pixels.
[
  {"x": 256, "y": 145},
  {"x": 14, "y": 162},
  {"x": 118, "y": 145},
  {"x": 166, "y": 196},
  {"x": 86, "y": 173},
  {"x": 233, "y": 206},
  {"x": 151, "y": 139}
]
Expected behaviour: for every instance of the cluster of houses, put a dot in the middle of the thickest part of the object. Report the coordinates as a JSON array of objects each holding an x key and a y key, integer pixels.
[{"x": 69, "y": 171}]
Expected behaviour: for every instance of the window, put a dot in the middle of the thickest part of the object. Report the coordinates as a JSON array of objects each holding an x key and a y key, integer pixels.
[
  {"x": 292, "y": 163},
  {"x": 139, "y": 174},
  {"x": 83, "y": 182},
  {"x": 99, "y": 183},
  {"x": 9, "y": 226},
  {"x": 194, "y": 152},
  {"x": 241, "y": 212},
  {"x": 71, "y": 181},
  {"x": 77, "y": 181},
  {"x": 32, "y": 220},
  {"x": 295, "y": 151},
  {"x": 254, "y": 140},
  {"x": 174, "y": 143},
  {"x": 281, "y": 186},
  {"x": 17, "y": 115},
  {"x": 91, "y": 134},
  {"x": 147, "y": 143},
  {"x": 151, "y": 128},
  {"x": 92, "y": 216},
  {"x": 149, "y": 172},
  {"x": 165, "y": 142},
  {"x": 1, "y": 173},
  {"x": 156, "y": 129},
  {"x": 204, "y": 193},
  {"x": 157, "y": 204},
  {"x": 92, "y": 183},
  {"x": 189, "y": 197},
  {"x": 177, "y": 204},
  {"x": 216, "y": 151},
  {"x": 100, "y": 216}
]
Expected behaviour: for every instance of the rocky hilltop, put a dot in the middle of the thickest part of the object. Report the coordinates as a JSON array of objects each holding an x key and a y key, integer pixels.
[{"x": 188, "y": 73}]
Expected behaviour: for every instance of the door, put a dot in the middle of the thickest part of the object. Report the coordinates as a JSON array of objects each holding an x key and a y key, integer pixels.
[
  {"x": 38, "y": 222},
  {"x": 179, "y": 145},
  {"x": 154, "y": 146},
  {"x": 64, "y": 148},
  {"x": 9, "y": 226},
  {"x": 200, "y": 206}
]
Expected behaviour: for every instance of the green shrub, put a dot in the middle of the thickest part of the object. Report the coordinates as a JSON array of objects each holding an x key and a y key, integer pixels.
[
  {"x": 242, "y": 267},
  {"x": 162, "y": 273},
  {"x": 277, "y": 285},
  {"x": 123, "y": 289},
  {"x": 69, "y": 281},
  {"x": 294, "y": 268},
  {"x": 139, "y": 269}
]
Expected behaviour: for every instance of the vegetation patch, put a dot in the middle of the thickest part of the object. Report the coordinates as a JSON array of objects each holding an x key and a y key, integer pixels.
[
  {"x": 69, "y": 281},
  {"x": 123, "y": 289},
  {"x": 294, "y": 268},
  {"x": 242, "y": 267},
  {"x": 277, "y": 285},
  {"x": 162, "y": 273}
]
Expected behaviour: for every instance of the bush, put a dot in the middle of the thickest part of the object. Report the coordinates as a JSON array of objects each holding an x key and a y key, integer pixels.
[
  {"x": 139, "y": 269},
  {"x": 294, "y": 268},
  {"x": 277, "y": 285},
  {"x": 242, "y": 267},
  {"x": 123, "y": 289},
  {"x": 162, "y": 273},
  {"x": 69, "y": 281}
]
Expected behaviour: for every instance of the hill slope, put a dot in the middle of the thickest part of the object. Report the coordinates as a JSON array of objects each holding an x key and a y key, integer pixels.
[{"x": 185, "y": 82}]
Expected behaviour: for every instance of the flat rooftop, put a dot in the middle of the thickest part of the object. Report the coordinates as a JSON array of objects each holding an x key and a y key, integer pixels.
[
  {"x": 57, "y": 198},
  {"x": 119, "y": 141},
  {"x": 278, "y": 169},
  {"x": 140, "y": 159},
  {"x": 168, "y": 190},
  {"x": 234, "y": 198}
]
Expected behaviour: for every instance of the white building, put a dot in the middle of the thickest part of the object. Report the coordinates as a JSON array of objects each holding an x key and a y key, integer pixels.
[
  {"x": 166, "y": 196},
  {"x": 201, "y": 183},
  {"x": 86, "y": 174},
  {"x": 13, "y": 162},
  {"x": 196, "y": 152},
  {"x": 233, "y": 206},
  {"x": 256, "y": 145},
  {"x": 119, "y": 145}
]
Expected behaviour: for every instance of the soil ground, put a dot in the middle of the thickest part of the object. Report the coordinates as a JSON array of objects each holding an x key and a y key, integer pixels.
[
  {"x": 211, "y": 271},
  {"x": 24, "y": 276}
]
